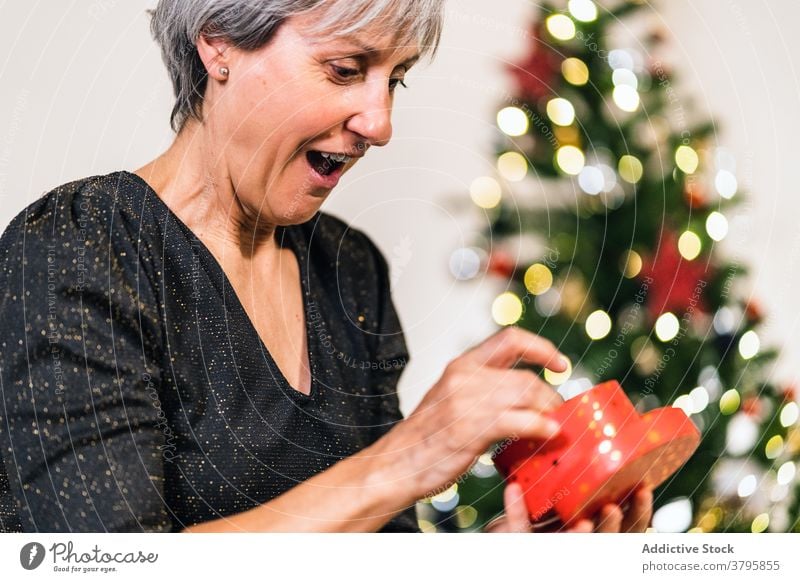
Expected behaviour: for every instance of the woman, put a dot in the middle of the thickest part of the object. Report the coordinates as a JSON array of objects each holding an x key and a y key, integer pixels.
[{"x": 195, "y": 347}]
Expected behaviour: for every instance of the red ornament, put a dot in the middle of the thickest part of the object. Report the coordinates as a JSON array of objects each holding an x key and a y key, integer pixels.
[
  {"x": 604, "y": 451},
  {"x": 534, "y": 75},
  {"x": 754, "y": 312},
  {"x": 790, "y": 393},
  {"x": 501, "y": 264},
  {"x": 695, "y": 194},
  {"x": 752, "y": 406},
  {"x": 674, "y": 284}
]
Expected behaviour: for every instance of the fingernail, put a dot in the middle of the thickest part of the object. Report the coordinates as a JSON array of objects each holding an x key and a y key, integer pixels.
[{"x": 564, "y": 361}]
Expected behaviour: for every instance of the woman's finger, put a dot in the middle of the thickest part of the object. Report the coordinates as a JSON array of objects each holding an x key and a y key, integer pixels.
[
  {"x": 526, "y": 424},
  {"x": 523, "y": 389},
  {"x": 640, "y": 513},
  {"x": 583, "y": 526},
  {"x": 609, "y": 520},
  {"x": 517, "y": 519},
  {"x": 513, "y": 345}
]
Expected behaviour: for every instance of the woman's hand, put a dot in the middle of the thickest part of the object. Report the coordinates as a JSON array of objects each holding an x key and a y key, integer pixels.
[
  {"x": 478, "y": 401},
  {"x": 609, "y": 520}
]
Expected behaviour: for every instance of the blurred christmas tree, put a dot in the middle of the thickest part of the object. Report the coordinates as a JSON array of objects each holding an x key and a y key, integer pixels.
[{"x": 620, "y": 269}]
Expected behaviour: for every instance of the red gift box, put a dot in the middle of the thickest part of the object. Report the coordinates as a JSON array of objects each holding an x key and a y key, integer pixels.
[{"x": 604, "y": 451}]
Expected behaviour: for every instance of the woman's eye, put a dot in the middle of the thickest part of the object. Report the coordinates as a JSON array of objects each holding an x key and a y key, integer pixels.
[{"x": 344, "y": 72}]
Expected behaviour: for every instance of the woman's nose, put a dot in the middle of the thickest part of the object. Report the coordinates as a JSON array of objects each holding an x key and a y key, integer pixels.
[{"x": 374, "y": 121}]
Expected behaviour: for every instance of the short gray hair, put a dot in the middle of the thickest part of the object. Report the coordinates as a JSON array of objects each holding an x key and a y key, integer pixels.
[{"x": 250, "y": 24}]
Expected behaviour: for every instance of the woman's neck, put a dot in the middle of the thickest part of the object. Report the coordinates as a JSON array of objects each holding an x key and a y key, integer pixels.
[{"x": 194, "y": 182}]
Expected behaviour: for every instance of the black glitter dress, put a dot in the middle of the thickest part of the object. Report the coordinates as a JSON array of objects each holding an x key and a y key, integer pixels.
[{"x": 136, "y": 393}]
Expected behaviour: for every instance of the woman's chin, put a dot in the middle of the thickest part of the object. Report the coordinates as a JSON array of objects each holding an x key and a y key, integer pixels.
[{"x": 299, "y": 215}]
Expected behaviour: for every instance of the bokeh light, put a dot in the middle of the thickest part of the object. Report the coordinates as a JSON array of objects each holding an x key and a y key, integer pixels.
[
  {"x": 747, "y": 486},
  {"x": 575, "y": 71},
  {"x": 631, "y": 264},
  {"x": 630, "y": 169},
  {"x": 686, "y": 159},
  {"x": 598, "y": 325},
  {"x": 760, "y": 523},
  {"x": 560, "y": 111},
  {"x": 591, "y": 180},
  {"x": 689, "y": 245},
  {"x": 667, "y": 326},
  {"x": 626, "y": 98},
  {"x": 749, "y": 345},
  {"x": 774, "y": 447},
  {"x": 717, "y": 226},
  {"x": 513, "y": 121},
  {"x": 560, "y": 26},
  {"x": 583, "y": 10},
  {"x": 729, "y": 402},
  {"x": 570, "y": 159},
  {"x": 786, "y": 473},
  {"x": 538, "y": 278},
  {"x": 726, "y": 184},
  {"x": 485, "y": 192},
  {"x": 790, "y": 414},
  {"x": 506, "y": 309},
  {"x": 512, "y": 166}
]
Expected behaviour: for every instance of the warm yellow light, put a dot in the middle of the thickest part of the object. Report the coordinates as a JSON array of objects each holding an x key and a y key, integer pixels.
[
  {"x": 717, "y": 226},
  {"x": 626, "y": 98},
  {"x": 538, "y": 279},
  {"x": 630, "y": 169},
  {"x": 726, "y": 184},
  {"x": 583, "y": 10},
  {"x": 625, "y": 77},
  {"x": 465, "y": 516},
  {"x": 790, "y": 414},
  {"x": 689, "y": 245},
  {"x": 786, "y": 473},
  {"x": 749, "y": 344},
  {"x": 598, "y": 324},
  {"x": 686, "y": 159},
  {"x": 748, "y": 485},
  {"x": 485, "y": 192},
  {"x": 631, "y": 264},
  {"x": 684, "y": 402},
  {"x": 561, "y": 27},
  {"x": 446, "y": 495},
  {"x": 700, "y": 398},
  {"x": 558, "y": 378},
  {"x": 570, "y": 159},
  {"x": 774, "y": 447},
  {"x": 512, "y": 166},
  {"x": 560, "y": 111},
  {"x": 507, "y": 309},
  {"x": 760, "y": 523},
  {"x": 513, "y": 121},
  {"x": 729, "y": 402},
  {"x": 575, "y": 71},
  {"x": 667, "y": 326}
]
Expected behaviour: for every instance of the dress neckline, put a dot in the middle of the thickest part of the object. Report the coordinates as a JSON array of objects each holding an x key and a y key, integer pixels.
[{"x": 286, "y": 237}]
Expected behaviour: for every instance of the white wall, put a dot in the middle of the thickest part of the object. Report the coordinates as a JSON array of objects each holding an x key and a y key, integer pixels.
[{"x": 83, "y": 91}]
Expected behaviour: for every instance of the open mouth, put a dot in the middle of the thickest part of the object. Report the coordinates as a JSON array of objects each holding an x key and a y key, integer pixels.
[{"x": 325, "y": 163}]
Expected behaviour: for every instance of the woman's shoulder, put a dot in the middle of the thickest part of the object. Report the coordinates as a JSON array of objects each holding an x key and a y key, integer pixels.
[
  {"x": 339, "y": 241},
  {"x": 91, "y": 202}
]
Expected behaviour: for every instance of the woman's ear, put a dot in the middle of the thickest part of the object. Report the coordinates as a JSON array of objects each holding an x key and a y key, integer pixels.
[{"x": 213, "y": 53}]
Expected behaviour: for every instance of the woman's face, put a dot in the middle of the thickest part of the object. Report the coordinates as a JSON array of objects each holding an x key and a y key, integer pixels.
[{"x": 289, "y": 102}]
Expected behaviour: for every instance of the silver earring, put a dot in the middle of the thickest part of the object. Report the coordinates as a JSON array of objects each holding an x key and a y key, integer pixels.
[{"x": 224, "y": 71}]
